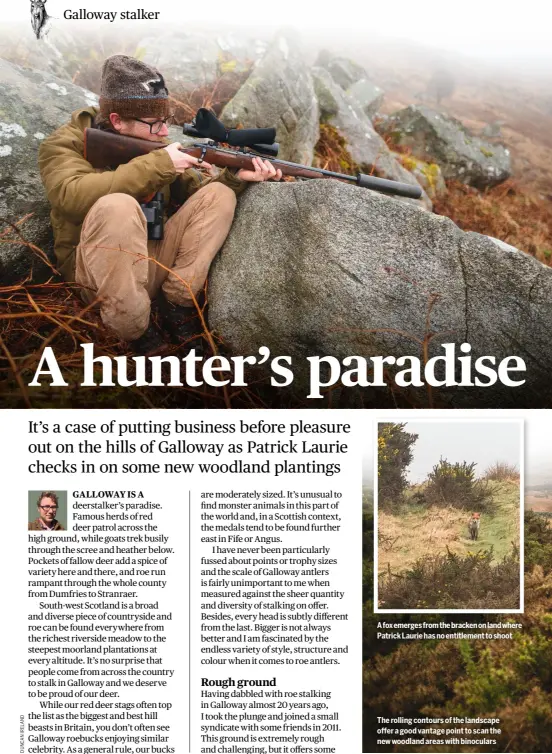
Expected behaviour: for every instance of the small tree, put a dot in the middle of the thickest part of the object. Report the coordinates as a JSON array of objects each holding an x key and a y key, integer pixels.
[
  {"x": 394, "y": 456},
  {"x": 441, "y": 84},
  {"x": 456, "y": 484}
]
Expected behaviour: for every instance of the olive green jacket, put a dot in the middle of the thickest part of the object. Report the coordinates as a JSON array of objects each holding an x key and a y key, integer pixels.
[
  {"x": 37, "y": 526},
  {"x": 73, "y": 185}
]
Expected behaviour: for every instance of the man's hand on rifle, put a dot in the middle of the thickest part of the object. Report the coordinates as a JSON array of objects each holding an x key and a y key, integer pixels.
[
  {"x": 264, "y": 170},
  {"x": 183, "y": 161}
]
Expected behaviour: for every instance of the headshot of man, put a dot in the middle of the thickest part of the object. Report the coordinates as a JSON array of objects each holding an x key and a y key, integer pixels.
[{"x": 47, "y": 507}]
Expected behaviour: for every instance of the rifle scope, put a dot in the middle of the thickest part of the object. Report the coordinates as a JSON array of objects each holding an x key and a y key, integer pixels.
[{"x": 206, "y": 125}]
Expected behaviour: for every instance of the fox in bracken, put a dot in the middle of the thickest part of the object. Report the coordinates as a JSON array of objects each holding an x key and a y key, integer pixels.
[{"x": 474, "y": 524}]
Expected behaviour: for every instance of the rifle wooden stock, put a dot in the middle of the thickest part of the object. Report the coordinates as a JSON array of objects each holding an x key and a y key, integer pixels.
[{"x": 104, "y": 149}]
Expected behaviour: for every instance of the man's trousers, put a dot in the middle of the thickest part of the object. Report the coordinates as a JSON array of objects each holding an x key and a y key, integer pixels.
[{"x": 118, "y": 265}]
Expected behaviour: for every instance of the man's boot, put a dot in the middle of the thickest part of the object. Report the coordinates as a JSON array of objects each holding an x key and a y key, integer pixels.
[
  {"x": 182, "y": 323},
  {"x": 151, "y": 342}
]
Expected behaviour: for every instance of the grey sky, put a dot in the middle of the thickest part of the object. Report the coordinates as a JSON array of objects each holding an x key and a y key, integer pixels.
[
  {"x": 484, "y": 442},
  {"x": 538, "y": 447},
  {"x": 538, "y": 451}
]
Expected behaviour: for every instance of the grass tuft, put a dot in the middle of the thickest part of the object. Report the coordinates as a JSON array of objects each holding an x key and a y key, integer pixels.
[
  {"x": 331, "y": 153},
  {"x": 502, "y": 471}
]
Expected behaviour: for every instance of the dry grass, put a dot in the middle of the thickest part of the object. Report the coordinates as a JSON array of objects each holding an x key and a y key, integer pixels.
[
  {"x": 426, "y": 558},
  {"x": 502, "y": 471},
  {"x": 507, "y": 212},
  {"x": 518, "y": 211},
  {"x": 331, "y": 153},
  {"x": 33, "y": 316},
  {"x": 484, "y": 93},
  {"x": 213, "y": 96},
  {"x": 415, "y": 531},
  {"x": 404, "y": 539}
]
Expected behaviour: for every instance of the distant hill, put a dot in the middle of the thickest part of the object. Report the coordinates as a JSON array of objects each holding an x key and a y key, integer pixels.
[{"x": 539, "y": 499}]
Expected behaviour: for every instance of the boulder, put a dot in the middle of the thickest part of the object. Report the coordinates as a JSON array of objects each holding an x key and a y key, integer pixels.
[
  {"x": 194, "y": 60},
  {"x": 32, "y": 105},
  {"x": 368, "y": 95},
  {"x": 323, "y": 268},
  {"x": 279, "y": 92},
  {"x": 19, "y": 45},
  {"x": 434, "y": 137},
  {"x": 365, "y": 146},
  {"x": 344, "y": 71},
  {"x": 428, "y": 174}
]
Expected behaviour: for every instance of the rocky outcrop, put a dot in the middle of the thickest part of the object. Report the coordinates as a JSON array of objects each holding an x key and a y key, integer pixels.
[
  {"x": 33, "y": 104},
  {"x": 279, "y": 92},
  {"x": 365, "y": 146},
  {"x": 191, "y": 61},
  {"x": 321, "y": 268},
  {"x": 433, "y": 137},
  {"x": 368, "y": 95},
  {"x": 428, "y": 174},
  {"x": 19, "y": 45},
  {"x": 344, "y": 71}
]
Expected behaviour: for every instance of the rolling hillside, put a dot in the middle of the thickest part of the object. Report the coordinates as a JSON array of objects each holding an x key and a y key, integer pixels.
[{"x": 418, "y": 530}]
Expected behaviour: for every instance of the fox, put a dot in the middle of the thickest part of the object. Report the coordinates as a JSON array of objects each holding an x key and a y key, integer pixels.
[{"x": 473, "y": 525}]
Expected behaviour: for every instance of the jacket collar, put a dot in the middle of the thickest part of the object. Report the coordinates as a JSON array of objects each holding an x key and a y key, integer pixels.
[{"x": 84, "y": 117}]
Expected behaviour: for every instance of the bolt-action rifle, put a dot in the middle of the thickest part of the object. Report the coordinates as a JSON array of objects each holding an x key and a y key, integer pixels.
[{"x": 104, "y": 149}]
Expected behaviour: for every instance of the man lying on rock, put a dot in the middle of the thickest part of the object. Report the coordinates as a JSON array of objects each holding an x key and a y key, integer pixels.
[{"x": 100, "y": 229}]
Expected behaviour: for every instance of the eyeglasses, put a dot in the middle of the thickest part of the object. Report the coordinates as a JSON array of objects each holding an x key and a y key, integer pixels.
[
  {"x": 48, "y": 507},
  {"x": 157, "y": 125}
]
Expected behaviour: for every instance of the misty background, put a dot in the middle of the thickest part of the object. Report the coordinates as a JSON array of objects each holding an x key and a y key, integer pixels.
[
  {"x": 538, "y": 455},
  {"x": 482, "y": 442},
  {"x": 508, "y": 34}
]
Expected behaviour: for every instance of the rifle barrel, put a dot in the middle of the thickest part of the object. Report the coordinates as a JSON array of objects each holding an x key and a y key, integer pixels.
[
  {"x": 389, "y": 187},
  {"x": 383, "y": 185}
]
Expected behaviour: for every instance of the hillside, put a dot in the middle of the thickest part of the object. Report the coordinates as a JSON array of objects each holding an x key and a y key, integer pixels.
[
  {"x": 417, "y": 530},
  {"x": 539, "y": 501},
  {"x": 505, "y": 679},
  {"x": 512, "y": 101},
  {"x": 483, "y": 92}
]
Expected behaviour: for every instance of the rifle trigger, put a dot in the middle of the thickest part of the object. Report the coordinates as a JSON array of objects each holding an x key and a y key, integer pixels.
[{"x": 202, "y": 155}]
